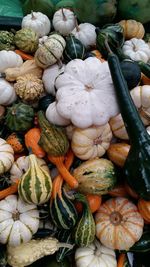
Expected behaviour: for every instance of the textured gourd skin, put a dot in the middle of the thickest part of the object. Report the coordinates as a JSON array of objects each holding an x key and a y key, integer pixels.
[
  {"x": 6, "y": 40},
  {"x": 19, "y": 117},
  {"x": 53, "y": 138},
  {"x": 26, "y": 40}
]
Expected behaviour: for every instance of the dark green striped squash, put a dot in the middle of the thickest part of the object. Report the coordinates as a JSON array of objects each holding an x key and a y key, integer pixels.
[
  {"x": 85, "y": 229},
  {"x": 62, "y": 211},
  {"x": 45, "y": 101},
  {"x": 26, "y": 40},
  {"x": 35, "y": 185},
  {"x": 74, "y": 49},
  {"x": 66, "y": 237},
  {"x": 19, "y": 117},
  {"x": 53, "y": 138}
]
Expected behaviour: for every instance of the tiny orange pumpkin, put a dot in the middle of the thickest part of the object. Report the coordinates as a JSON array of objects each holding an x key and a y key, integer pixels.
[{"x": 16, "y": 141}]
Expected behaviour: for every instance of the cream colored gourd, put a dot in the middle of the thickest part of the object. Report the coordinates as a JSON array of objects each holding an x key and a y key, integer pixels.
[
  {"x": 119, "y": 225},
  {"x": 9, "y": 59},
  {"x": 6, "y": 156},
  {"x": 28, "y": 67},
  {"x": 21, "y": 165},
  {"x": 38, "y": 22},
  {"x": 82, "y": 91},
  {"x": 64, "y": 21},
  {"x": 7, "y": 93},
  {"x": 69, "y": 131},
  {"x": 42, "y": 40},
  {"x": 51, "y": 51},
  {"x": 18, "y": 221},
  {"x": 54, "y": 117},
  {"x": 29, "y": 87},
  {"x": 85, "y": 33},
  {"x": 136, "y": 49},
  {"x": 95, "y": 255},
  {"x": 118, "y": 128},
  {"x": 91, "y": 142},
  {"x": 132, "y": 29},
  {"x": 49, "y": 76}
]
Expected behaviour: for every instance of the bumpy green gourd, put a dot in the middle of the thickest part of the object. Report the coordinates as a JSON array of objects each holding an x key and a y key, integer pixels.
[
  {"x": 26, "y": 40},
  {"x": 85, "y": 229},
  {"x": 19, "y": 117},
  {"x": 35, "y": 185},
  {"x": 6, "y": 40},
  {"x": 53, "y": 138}
]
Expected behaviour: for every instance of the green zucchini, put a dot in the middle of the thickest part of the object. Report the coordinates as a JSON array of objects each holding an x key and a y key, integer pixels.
[
  {"x": 143, "y": 245},
  {"x": 137, "y": 165}
]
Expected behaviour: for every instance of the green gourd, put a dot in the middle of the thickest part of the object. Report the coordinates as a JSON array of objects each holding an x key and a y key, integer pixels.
[
  {"x": 53, "y": 138},
  {"x": 6, "y": 40},
  {"x": 26, "y": 40},
  {"x": 66, "y": 4},
  {"x": 137, "y": 164},
  {"x": 64, "y": 236},
  {"x": 19, "y": 117},
  {"x": 74, "y": 49},
  {"x": 45, "y": 101},
  {"x": 84, "y": 232}
]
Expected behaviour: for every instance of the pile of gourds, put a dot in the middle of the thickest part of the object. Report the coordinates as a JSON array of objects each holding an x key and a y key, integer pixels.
[{"x": 74, "y": 142}]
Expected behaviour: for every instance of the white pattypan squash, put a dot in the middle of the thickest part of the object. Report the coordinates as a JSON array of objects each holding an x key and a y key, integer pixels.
[
  {"x": 7, "y": 93},
  {"x": 137, "y": 49},
  {"x": 64, "y": 21},
  {"x": 95, "y": 255},
  {"x": 85, "y": 33},
  {"x": 49, "y": 76},
  {"x": 38, "y": 22},
  {"x": 54, "y": 117},
  {"x": 9, "y": 59},
  {"x": 18, "y": 221},
  {"x": 85, "y": 93}
]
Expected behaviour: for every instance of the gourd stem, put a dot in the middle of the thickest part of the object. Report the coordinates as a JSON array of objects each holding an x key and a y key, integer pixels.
[
  {"x": 32, "y": 15},
  {"x": 76, "y": 24},
  {"x": 10, "y": 190},
  {"x": 64, "y": 16}
]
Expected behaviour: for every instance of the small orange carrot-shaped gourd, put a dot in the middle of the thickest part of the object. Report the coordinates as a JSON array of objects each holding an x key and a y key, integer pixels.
[
  {"x": 10, "y": 190},
  {"x": 32, "y": 138}
]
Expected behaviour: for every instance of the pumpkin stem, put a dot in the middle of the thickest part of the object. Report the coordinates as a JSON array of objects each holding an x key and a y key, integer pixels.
[
  {"x": 32, "y": 15},
  {"x": 76, "y": 24},
  {"x": 64, "y": 16},
  {"x": 115, "y": 218}
]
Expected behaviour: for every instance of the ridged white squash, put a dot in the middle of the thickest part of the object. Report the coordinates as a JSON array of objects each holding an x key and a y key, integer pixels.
[
  {"x": 7, "y": 93},
  {"x": 85, "y": 33},
  {"x": 6, "y": 156},
  {"x": 9, "y": 59}
]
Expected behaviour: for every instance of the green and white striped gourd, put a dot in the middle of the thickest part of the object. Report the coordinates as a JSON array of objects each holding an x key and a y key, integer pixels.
[
  {"x": 85, "y": 228},
  {"x": 35, "y": 185},
  {"x": 51, "y": 51},
  {"x": 74, "y": 48},
  {"x": 26, "y": 40}
]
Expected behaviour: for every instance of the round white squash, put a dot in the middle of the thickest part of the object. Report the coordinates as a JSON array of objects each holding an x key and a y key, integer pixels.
[
  {"x": 38, "y": 22},
  {"x": 85, "y": 33},
  {"x": 91, "y": 142},
  {"x": 18, "y": 221},
  {"x": 137, "y": 49},
  {"x": 54, "y": 117},
  {"x": 64, "y": 21},
  {"x": 9, "y": 59},
  {"x": 95, "y": 255},
  {"x": 7, "y": 93},
  {"x": 6, "y": 156},
  {"x": 49, "y": 76}
]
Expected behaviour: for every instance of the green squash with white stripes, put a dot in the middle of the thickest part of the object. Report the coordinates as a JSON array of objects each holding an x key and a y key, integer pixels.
[
  {"x": 35, "y": 185},
  {"x": 51, "y": 51},
  {"x": 26, "y": 40},
  {"x": 85, "y": 230},
  {"x": 62, "y": 211},
  {"x": 64, "y": 236},
  {"x": 74, "y": 49}
]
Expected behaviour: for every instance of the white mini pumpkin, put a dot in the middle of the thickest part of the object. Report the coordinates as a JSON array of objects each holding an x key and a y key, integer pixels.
[
  {"x": 21, "y": 165},
  {"x": 7, "y": 93},
  {"x": 137, "y": 49},
  {"x": 95, "y": 255},
  {"x": 18, "y": 221},
  {"x": 6, "y": 156},
  {"x": 38, "y": 22},
  {"x": 85, "y": 33},
  {"x": 54, "y": 117},
  {"x": 49, "y": 76},
  {"x": 85, "y": 93},
  {"x": 9, "y": 59},
  {"x": 64, "y": 21},
  {"x": 91, "y": 142}
]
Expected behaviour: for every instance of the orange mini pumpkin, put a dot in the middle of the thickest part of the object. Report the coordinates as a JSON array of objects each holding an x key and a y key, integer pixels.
[
  {"x": 144, "y": 209},
  {"x": 118, "y": 223},
  {"x": 16, "y": 141}
]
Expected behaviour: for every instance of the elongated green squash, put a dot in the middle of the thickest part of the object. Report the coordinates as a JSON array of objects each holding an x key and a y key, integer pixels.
[{"x": 35, "y": 185}]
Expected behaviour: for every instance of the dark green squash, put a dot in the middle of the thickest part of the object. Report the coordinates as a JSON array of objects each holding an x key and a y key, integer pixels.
[
  {"x": 143, "y": 245},
  {"x": 19, "y": 117},
  {"x": 66, "y": 237},
  {"x": 137, "y": 165},
  {"x": 50, "y": 261},
  {"x": 66, "y": 4},
  {"x": 3, "y": 256},
  {"x": 131, "y": 72},
  {"x": 74, "y": 48},
  {"x": 45, "y": 101}
]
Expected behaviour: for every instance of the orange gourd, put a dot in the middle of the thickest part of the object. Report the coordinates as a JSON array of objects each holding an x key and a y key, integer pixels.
[
  {"x": 16, "y": 141},
  {"x": 94, "y": 202},
  {"x": 144, "y": 209},
  {"x": 131, "y": 192},
  {"x": 118, "y": 153},
  {"x": 145, "y": 80},
  {"x": 118, "y": 191},
  {"x": 32, "y": 138},
  {"x": 119, "y": 225},
  {"x": 98, "y": 55}
]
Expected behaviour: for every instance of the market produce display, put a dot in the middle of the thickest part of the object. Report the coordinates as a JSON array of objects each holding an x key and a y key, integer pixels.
[{"x": 75, "y": 136}]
